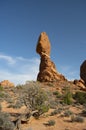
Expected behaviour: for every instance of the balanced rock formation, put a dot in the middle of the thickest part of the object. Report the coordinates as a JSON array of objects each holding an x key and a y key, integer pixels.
[
  {"x": 6, "y": 83},
  {"x": 47, "y": 69},
  {"x": 83, "y": 71}
]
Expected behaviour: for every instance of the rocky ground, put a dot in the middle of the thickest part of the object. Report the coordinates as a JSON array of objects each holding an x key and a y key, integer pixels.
[{"x": 59, "y": 105}]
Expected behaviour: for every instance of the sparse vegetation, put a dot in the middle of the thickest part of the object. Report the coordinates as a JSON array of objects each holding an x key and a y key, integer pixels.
[
  {"x": 77, "y": 119},
  {"x": 80, "y": 97},
  {"x": 50, "y": 123},
  {"x": 54, "y": 112},
  {"x": 1, "y": 88},
  {"x": 1, "y": 95},
  {"x": 67, "y": 113},
  {"x": 35, "y": 98},
  {"x": 57, "y": 94},
  {"x": 5, "y": 123},
  {"x": 67, "y": 98},
  {"x": 0, "y": 107},
  {"x": 83, "y": 113}
]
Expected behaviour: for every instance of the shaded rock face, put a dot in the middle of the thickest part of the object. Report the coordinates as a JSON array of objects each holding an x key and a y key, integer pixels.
[
  {"x": 83, "y": 71},
  {"x": 47, "y": 69},
  {"x": 6, "y": 83}
]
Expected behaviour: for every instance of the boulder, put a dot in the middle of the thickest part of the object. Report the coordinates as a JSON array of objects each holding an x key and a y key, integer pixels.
[
  {"x": 43, "y": 46},
  {"x": 80, "y": 83},
  {"x": 6, "y": 83},
  {"x": 47, "y": 69}
]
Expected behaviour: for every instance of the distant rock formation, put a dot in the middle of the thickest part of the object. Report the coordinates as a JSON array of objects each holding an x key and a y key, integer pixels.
[
  {"x": 47, "y": 69},
  {"x": 83, "y": 71},
  {"x": 6, "y": 83},
  {"x": 82, "y": 82}
]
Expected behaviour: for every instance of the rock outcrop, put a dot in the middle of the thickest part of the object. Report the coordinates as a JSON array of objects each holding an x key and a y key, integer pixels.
[
  {"x": 6, "y": 83},
  {"x": 47, "y": 69},
  {"x": 83, "y": 71},
  {"x": 82, "y": 82}
]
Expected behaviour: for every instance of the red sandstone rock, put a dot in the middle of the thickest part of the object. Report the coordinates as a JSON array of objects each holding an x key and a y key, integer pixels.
[
  {"x": 80, "y": 83},
  {"x": 47, "y": 69},
  {"x": 6, "y": 83},
  {"x": 43, "y": 46}
]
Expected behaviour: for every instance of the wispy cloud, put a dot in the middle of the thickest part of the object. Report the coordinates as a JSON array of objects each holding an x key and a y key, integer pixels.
[
  {"x": 18, "y": 69},
  {"x": 9, "y": 59}
]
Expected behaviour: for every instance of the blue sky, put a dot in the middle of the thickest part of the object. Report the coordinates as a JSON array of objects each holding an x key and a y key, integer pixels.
[{"x": 22, "y": 21}]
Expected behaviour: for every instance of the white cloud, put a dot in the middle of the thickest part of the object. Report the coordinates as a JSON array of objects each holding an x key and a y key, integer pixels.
[
  {"x": 9, "y": 59},
  {"x": 19, "y": 70}
]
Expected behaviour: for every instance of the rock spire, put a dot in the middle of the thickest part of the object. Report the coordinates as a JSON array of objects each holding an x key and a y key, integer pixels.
[{"x": 47, "y": 69}]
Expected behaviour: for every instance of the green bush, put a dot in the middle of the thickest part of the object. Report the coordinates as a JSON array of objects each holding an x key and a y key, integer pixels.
[
  {"x": 83, "y": 113},
  {"x": 77, "y": 119},
  {"x": 67, "y": 98},
  {"x": 43, "y": 108},
  {"x": 5, "y": 123},
  {"x": 80, "y": 97},
  {"x": 36, "y": 98},
  {"x": 68, "y": 113},
  {"x": 1, "y": 95},
  {"x": 56, "y": 111},
  {"x": 0, "y": 107},
  {"x": 57, "y": 94},
  {"x": 1, "y": 88},
  {"x": 51, "y": 123}
]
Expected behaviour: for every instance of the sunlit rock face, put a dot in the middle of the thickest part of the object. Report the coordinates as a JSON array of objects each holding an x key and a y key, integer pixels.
[
  {"x": 47, "y": 69},
  {"x": 6, "y": 83}
]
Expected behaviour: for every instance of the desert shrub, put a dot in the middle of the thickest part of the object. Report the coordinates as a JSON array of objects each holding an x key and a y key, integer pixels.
[
  {"x": 83, "y": 113},
  {"x": 77, "y": 119},
  {"x": 56, "y": 111},
  {"x": 19, "y": 86},
  {"x": 1, "y": 88},
  {"x": 43, "y": 108},
  {"x": 67, "y": 98},
  {"x": 68, "y": 113},
  {"x": 57, "y": 94},
  {"x": 16, "y": 105},
  {"x": 1, "y": 95},
  {"x": 50, "y": 123},
  {"x": 35, "y": 98},
  {"x": 9, "y": 100},
  {"x": 0, "y": 107},
  {"x": 5, "y": 123},
  {"x": 53, "y": 104},
  {"x": 80, "y": 97}
]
